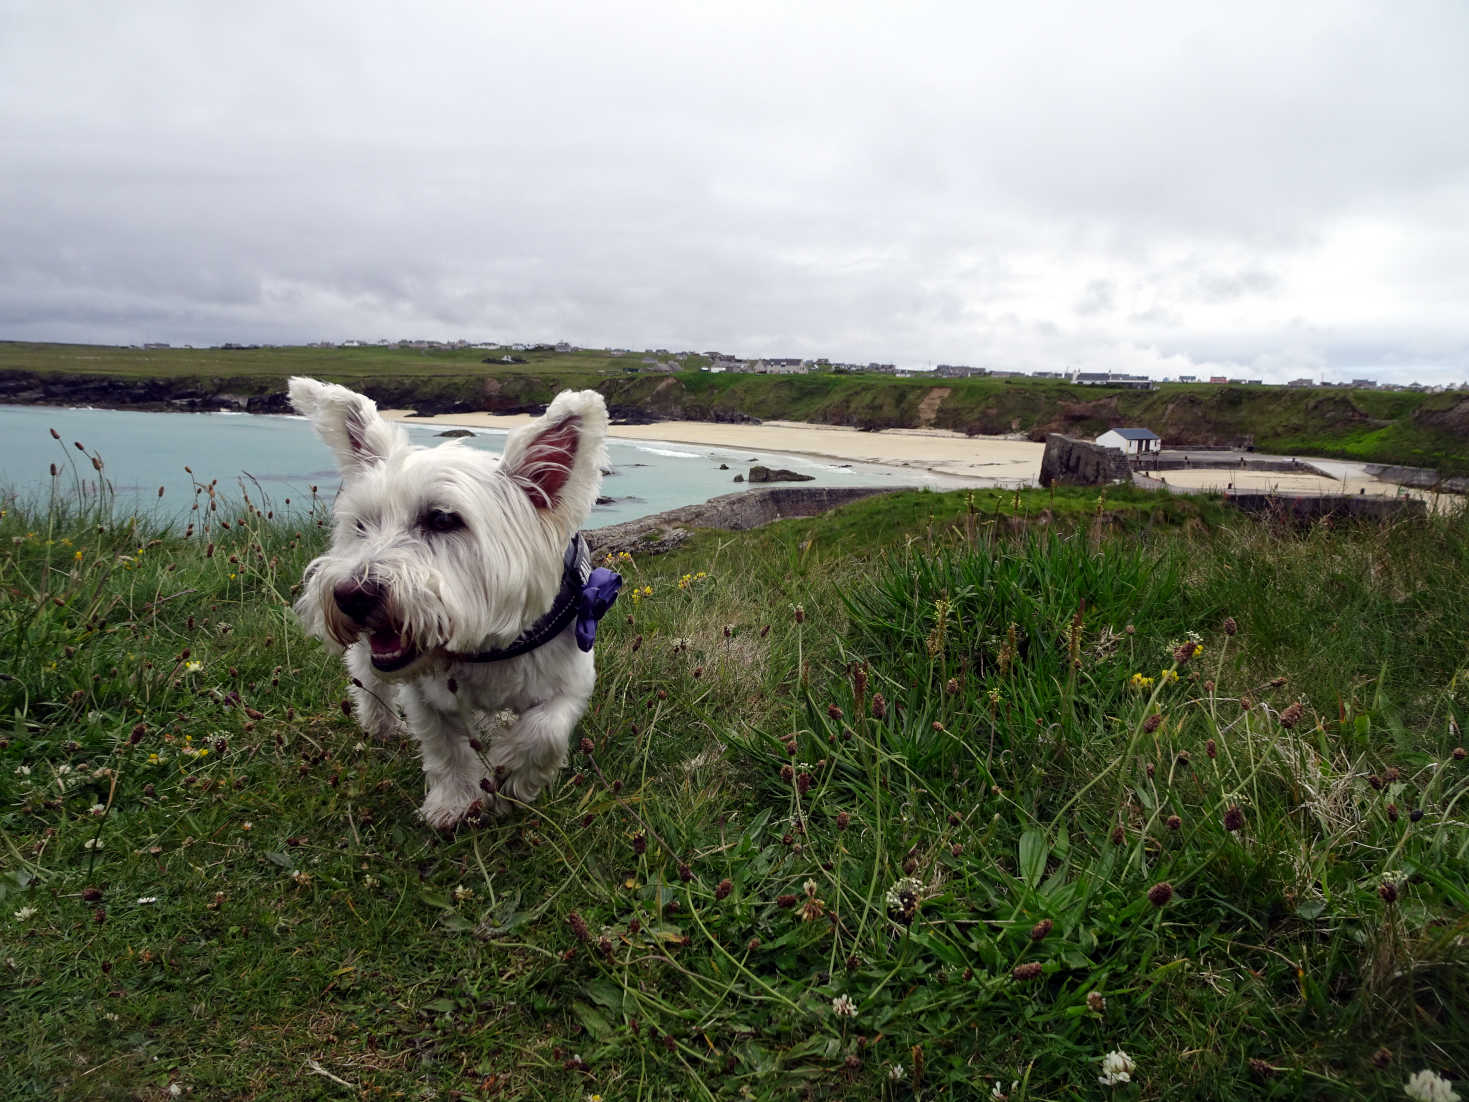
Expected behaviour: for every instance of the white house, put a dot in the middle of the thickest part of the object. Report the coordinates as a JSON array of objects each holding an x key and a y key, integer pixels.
[{"x": 1131, "y": 441}]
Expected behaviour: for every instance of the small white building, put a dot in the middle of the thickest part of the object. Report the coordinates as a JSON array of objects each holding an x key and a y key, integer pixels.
[{"x": 1131, "y": 441}]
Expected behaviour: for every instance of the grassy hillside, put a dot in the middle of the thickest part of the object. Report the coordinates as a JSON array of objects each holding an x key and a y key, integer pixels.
[
  {"x": 1378, "y": 426},
  {"x": 913, "y": 800}
]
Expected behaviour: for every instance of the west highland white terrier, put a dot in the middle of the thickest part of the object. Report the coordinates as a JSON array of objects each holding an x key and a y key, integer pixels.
[{"x": 459, "y": 588}]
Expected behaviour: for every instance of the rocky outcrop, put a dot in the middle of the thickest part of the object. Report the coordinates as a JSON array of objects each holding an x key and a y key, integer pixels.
[
  {"x": 777, "y": 474},
  {"x": 1072, "y": 462},
  {"x": 1419, "y": 478},
  {"x": 735, "y": 512}
]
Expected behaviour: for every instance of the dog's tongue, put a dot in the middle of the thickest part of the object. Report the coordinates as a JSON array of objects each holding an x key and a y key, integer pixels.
[{"x": 385, "y": 643}]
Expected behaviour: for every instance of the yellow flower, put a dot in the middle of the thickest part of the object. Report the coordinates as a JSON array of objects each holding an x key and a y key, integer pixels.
[
  {"x": 77, "y": 556},
  {"x": 1168, "y": 676},
  {"x": 1138, "y": 681}
]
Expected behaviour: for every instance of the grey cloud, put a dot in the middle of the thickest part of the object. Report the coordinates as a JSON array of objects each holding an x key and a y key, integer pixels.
[{"x": 850, "y": 180}]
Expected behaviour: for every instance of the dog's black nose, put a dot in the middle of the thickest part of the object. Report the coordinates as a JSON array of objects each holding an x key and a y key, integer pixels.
[{"x": 358, "y": 598}]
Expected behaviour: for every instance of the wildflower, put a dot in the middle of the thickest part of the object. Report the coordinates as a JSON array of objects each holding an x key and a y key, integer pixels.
[
  {"x": 1167, "y": 676},
  {"x": 1117, "y": 1067},
  {"x": 25, "y": 914},
  {"x": 1096, "y": 1002},
  {"x": 904, "y": 899},
  {"x": 22, "y": 770},
  {"x": 897, "y": 1073},
  {"x": 1234, "y": 818},
  {"x": 1388, "y": 891},
  {"x": 812, "y": 908},
  {"x": 1152, "y": 723},
  {"x": 843, "y": 1007},
  {"x": 92, "y": 843},
  {"x": 1040, "y": 929},
  {"x": 144, "y": 900},
  {"x": 1159, "y": 894},
  {"x": 1173, "y": 822},
  {"x": 1138, "y": 681},
  {"x": 370, "y": 881},
  {"x": 1291, "y": 716},
  {"x": 723, "y": 888},
  {"x": 1425, "y": 1086},
  {"x": 461, "y": 893},
  {"x": 193, "y": 666},
  {"x": 1230, "y": 627},
  {"x": 1028, "y": 971},
  {"x": 247, "y": 826}
]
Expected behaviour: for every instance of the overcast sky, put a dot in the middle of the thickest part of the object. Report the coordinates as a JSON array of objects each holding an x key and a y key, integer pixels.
[{"x": 1269, "y": 190}]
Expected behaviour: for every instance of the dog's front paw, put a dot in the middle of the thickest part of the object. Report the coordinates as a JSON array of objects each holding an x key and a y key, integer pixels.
[{"x": 449, "y": 804}]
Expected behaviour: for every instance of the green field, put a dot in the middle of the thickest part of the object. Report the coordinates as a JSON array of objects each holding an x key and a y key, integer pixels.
[
  {"x": 1401, "y": 427},
  {"x": 913, "y": 800}
]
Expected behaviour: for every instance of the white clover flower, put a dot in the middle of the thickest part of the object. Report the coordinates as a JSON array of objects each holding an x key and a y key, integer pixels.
[
  {"x": 998, "y": 1093},
  {"x": 92, "y": 843},
  {"x": 146, "y": 899},
  {"x": 22, "y": 770},
  {"x": 843, "y": 1007},
  {"x": 370, "y": 882},
  {"x": 897, "y": 1073},
  {"x": 461, "y": 893},
  {"x": 25, "y": 914},
  {"x": 97, "y": 809},
  {"x": 1117, "y": 1067},
  {"x": 1425, "y": 1086}
]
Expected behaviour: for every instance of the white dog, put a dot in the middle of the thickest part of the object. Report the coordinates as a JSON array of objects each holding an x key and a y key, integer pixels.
[{"x": 459, "y": 587}]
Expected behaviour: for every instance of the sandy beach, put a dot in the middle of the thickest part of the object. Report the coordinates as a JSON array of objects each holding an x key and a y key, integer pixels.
[
  {"x": 977, "y": 460},
  {"x": 983, "y": 460}
]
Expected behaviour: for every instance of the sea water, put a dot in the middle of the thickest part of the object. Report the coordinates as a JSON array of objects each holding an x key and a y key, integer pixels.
[{"x": 278, "y": 459}]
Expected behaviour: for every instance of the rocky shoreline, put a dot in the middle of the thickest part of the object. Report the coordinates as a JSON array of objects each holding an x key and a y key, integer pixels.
[{"x": 734, "y": 512}]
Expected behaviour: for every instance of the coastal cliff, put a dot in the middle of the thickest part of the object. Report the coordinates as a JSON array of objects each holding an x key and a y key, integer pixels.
[{"x": 1398, "y": 428}]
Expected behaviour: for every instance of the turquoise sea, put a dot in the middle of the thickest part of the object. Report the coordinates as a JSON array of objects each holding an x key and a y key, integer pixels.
[{"x": 277, "y": 458}]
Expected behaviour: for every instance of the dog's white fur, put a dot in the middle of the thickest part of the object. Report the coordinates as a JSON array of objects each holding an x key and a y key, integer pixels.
[{"x": 441, "y": 591}]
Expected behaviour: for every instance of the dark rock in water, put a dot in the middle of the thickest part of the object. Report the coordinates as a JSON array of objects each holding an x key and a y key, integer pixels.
[
  {"x": 739, "y": 478},
  {"x": 603, "y": 500},
  {"x": 454, "y": 434},
  {"x": 724, "y": 466},
  {"x": 778, "y": 474}
]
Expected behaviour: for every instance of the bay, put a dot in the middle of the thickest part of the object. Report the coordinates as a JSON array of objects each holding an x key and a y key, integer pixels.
[{"x": 278, "y": 459}]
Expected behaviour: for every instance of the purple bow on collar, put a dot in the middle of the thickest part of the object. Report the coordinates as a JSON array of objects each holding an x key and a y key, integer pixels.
[{"x": 597, "y": 596}]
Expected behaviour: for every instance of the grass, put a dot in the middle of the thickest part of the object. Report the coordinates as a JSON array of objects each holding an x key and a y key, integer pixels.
[{"x": 929, "y": 759}]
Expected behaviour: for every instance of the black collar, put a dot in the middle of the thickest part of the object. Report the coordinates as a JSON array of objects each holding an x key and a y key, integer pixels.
[{"x": 576, "y": 566}]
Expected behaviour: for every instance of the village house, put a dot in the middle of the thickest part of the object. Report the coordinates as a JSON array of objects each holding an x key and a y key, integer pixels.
[{"x": 1131, "y": 441}]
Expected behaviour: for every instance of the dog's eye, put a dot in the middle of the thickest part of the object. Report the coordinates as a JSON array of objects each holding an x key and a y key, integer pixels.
[
  {"x": 440, "y": 520},
  {"x": 361, "y": 528}
]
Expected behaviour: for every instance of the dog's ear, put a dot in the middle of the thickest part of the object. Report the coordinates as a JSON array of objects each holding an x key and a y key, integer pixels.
[
  {"x": 557, "y": 459},
  {"x": 347, "y": 421}
]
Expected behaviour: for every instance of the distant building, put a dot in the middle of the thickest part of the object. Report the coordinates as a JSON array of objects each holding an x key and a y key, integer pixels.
[
  {"x": 1131, "y": 441},
  {"x": 1108, "y": 378},
  {"x": 1301, "y": 382}
]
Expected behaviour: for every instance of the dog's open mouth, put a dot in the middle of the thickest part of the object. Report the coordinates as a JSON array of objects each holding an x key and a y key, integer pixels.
[{"x": 391, "y": 650}]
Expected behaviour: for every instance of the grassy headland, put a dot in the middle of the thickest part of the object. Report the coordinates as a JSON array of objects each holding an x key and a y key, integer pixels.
[
  {"x": 1403, "y": 427},
  {"x": 906, "y": 801}
]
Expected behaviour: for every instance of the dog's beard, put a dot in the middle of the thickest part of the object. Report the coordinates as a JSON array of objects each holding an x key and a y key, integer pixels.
[{"x": 471, "y": 597}]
